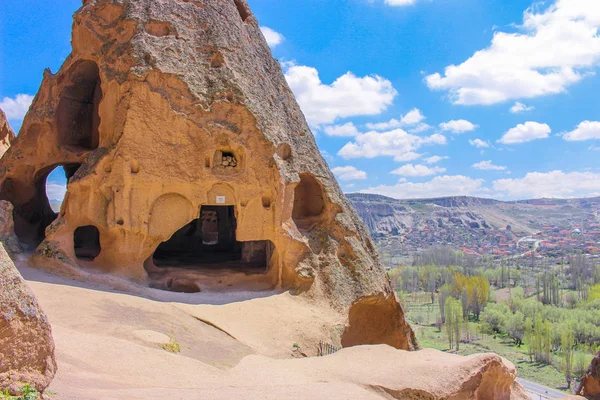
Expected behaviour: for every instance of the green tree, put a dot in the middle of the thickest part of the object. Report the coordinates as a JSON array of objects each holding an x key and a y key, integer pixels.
[
  {"x": 454, "y": 317},
  {"x": 566, "y": 343},
  {"x": 516, "y": 327}
]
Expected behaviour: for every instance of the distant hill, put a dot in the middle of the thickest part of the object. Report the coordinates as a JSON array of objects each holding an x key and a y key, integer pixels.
[{"x": 468, "y": 222}]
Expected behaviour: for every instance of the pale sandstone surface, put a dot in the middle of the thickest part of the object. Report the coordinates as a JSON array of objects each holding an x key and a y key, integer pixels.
[
  {"x": 26, "y": 344},
  {"x": 7, "y": 136},
  {"x": 109, "y": 351},
  {"x": 165, "y": 108}
]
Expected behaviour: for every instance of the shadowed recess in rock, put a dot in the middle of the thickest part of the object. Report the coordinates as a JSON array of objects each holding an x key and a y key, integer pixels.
[
  {"x": 77, "y": 114},
  {"x": 210, "y": 243}
]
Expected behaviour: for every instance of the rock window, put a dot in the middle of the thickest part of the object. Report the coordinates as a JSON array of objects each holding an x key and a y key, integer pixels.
[{"x": 37, "y": 206}]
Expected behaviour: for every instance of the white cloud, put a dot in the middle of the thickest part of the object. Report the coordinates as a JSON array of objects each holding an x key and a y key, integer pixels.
[
  {"x": 15, "y": 109},
  {"x": 273, "y": 38},
  {"x": 347, "y": 96},
  {"x": 480, "y": 144},
  {"x": 594, "y": 148},
  {"x": 56, "y": 192},
  {"x": 458, "y": 126},
  {"x": 435, "y": 159},
  {"x": 518, "y": 108},
  {"x": 396, "y": 3},
  {"x": 586, "y": 130},
  {"x": 396, "y": 143},
  {"x": 488, "y": 166},
  {"x": 417, "y": 170},
  {"x": 526, "y": 133},
  {"x": 405, "y": 157},
  {"x": 413, "y": 118},
  {"x": 551, "y": 184},
  {"x": 345, "y": 130},
  {"x": 554, "y": 48},
  {"x": 440, "y": 186},
  {"x": 349, "y": 173}
]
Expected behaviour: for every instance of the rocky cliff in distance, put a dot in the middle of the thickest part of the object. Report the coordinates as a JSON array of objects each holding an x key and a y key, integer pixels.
[
  {"x": 7, "y": 136},
  {"x": 465, "y": 222}
]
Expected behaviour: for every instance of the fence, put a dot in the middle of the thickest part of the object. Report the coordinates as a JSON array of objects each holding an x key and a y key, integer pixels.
[{"x": 326, "y": 349}]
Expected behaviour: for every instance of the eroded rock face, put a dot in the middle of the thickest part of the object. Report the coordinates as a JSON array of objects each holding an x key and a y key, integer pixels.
[
  {"x": 7, "y": 229},
  {"x": 7, "y": 136},
  {"x": 590, "y": 383},
  {"x": 27, "y": 347},
  {"x": 190, "y": 165}
]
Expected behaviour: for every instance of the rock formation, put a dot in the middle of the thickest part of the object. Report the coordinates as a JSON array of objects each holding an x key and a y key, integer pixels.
[
  {"x": 26, "y": 344},
  {"x": 7, "y": 229},
  {"x": 190, "y": 166},
  {"x": 590, "y": 382},
  {"x": 7, "y": 136}
]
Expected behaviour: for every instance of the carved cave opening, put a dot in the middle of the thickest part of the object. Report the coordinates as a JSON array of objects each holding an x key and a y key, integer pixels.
[
  {"x": 209, "y": 243},
  {"x": 77, "y": 116},
  {"x": 309, "y": 202},
  {"x": 36, "y": 206},
  {"x": 86, "y": 243}
]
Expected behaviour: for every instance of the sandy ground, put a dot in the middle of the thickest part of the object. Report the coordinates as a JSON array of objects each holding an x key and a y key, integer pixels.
[{"x": 234, "y": 346}]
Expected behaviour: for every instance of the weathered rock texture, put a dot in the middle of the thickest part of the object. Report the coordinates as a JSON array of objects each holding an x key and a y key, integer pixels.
[
  {"x": 7, "y": 136},
  {"x": 175, "y": 124},
  {"x": 7, "y": 229},
  {"x": 26, "y": 345},
  {"x": 590, "y": 382}
]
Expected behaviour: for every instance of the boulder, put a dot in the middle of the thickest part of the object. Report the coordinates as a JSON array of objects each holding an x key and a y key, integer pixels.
[
  {"x": 154, "y": 99},
  {"x": 27, "y": 347}
]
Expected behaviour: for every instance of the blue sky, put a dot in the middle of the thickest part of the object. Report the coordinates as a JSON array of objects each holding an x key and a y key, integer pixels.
[{"x": 418, "y": 98}]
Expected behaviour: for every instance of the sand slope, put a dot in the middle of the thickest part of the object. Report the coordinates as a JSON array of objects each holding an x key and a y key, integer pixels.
[{"x": 108, "y": 347}]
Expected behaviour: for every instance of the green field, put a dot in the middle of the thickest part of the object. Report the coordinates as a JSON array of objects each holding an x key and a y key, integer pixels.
[{"x": 422, "y": 317}]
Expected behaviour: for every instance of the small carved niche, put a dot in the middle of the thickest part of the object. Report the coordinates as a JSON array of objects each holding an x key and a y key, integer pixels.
[
  {"x": 266, "y": 201},
  {"x": 226, "y": 160},
  {"x": 284, "y": 151}
]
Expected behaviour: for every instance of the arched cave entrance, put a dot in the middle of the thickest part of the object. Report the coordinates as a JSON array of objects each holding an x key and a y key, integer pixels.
[
  {"x": 309, "y": 202},
  {"x": 209, "y": 242},
  {"x": 86, "y": 243},
  {"x": 77, "y": 114},
  {"x": 45, "y": 198}
]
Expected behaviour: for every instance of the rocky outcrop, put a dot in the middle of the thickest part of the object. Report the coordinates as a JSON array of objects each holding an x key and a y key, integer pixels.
[
  {"x": 590, "y": 382},
  {"x": 7, "y": 229},
  {"x": 7, "y": 136},
  {"x": 425, "y": 374},
  {"x": 27, "y": 347},
  {"x": 190, "y": 165}
]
